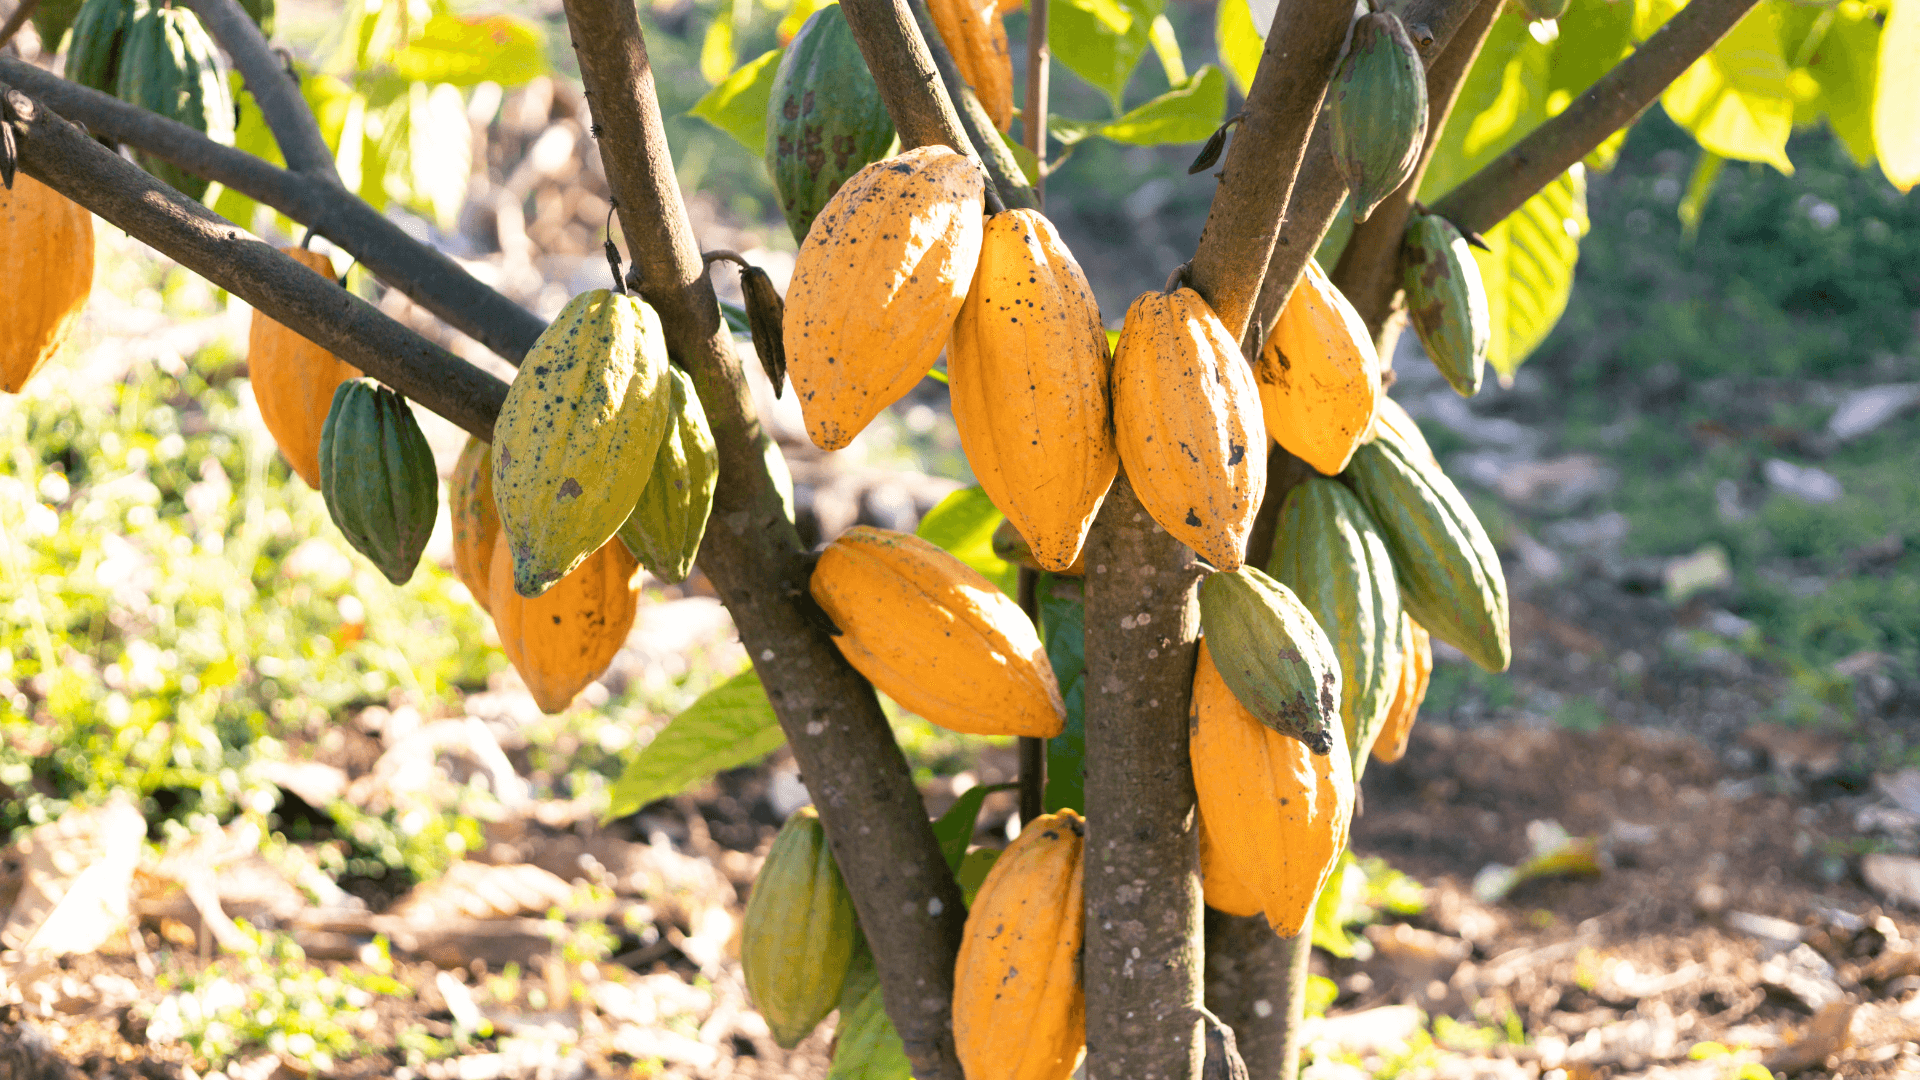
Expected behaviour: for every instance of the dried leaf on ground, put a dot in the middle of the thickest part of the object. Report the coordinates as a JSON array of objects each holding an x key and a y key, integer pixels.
[{"x": 77, "y": 879}]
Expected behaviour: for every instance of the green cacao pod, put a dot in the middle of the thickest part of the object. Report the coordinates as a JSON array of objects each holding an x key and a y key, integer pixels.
[
  {"x": 666, "y": 525},
  {"x": 797, "y": 944},
  {"x": 1379, "y": 110},
  {"x": 167, "y": 66},
  {"x": 1327, "y": 549},
  {"x": 1446, "y": 300},
  {"x": 578, "y": 434},
  {"x": 1449, "y": 574},
  {"x": 825, "y": 118},
  {"x": 1272, "y": 654},
  {"x": 377, "y": 475},
  {"x": 866, "y": 1046},
  {"x": 51, "y": 20},
  {"x": 99, "y": 30}
]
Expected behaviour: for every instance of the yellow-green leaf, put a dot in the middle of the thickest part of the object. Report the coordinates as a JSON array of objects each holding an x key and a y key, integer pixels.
[
  {"x": 1896, "y": 99},
  {"x": 1238, "y": 41},
  {"x": 738, "y": 106},
  {"x": 1738, "y": 99},
  {"x": 469, "y": 49},
  {"x": 1528, "y": 268}
]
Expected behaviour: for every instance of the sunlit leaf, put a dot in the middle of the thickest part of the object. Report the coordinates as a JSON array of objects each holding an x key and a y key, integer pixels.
[
  {"x": 1693, "y": 205},
  {"x": 1896, "y": 117},
  {"x": 1167, "y": 48},
  {"x": 865, "y": 1044},
  {"x": 954, "y": 829},
  {"x": 1187, "y": 113},
  {"x": 1238, "y": 41},
  {"x": 973, "y": 871},
  {"x": 1738, "y": 99},
  {"x": 1503, "y": 98},
  {"x": 716, "y": 49},
  {"x": 1528, "y": 268},
  {"x": 731, "y": 725},
  {"x": 796, "y": 17},
  {"x": 1102, "y": 40},
  {"x": 738, "y": 106},
  {"x": 469, "y": 49},
  {"x": 1841, "y": 52},
  {"x": 963, "y": 525}
]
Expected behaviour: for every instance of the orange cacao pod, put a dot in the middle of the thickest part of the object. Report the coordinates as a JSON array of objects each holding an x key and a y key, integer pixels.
[
  {"x": 1416, "y": 669},
  {"x": 294, "y": 380},
  {"x": 564, "y": 638},
  {"x": 977, "y": 39},
  {"x": 46, "y": 242},
  {"x": 476, "y": 521},
  {"x": 1319, "y": 375},
  {"x": 1224, "y": 892}
]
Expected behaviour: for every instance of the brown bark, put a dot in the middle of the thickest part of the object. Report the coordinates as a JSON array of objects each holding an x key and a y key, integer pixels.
[
  {"x": 1033, "y": 112},
  {"x": 877, "y": 825}
]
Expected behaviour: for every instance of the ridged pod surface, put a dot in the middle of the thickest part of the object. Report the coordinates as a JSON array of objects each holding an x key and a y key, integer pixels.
[
  {"x": 1378, "y": 104},
  {"x": 1187, "y": 418},
  {"x": 1318, "y": 374},
  {"x": 1011, "y": 547},
  {"x": 1416, "y": 668},
  {"x": 1450, "y": 576},
  {"x": 1273, "y": 653},
  {"x": 1019, "y": 1007},
  {"x": 1282, "y": 812},
  {"x": 564, "y": 638},
  {"x": 1028, "y": 369},
  {"x": 167, "y": 66},
  {"x": 876, "y": 287},
  {"x": 577, "y": 436},
  {"x": 798, "y": 935},
  {"x": 476, "y": 523},
  {"x": 1391, "y": 421},
  {"x": 294, "y": 380},
  {"x": 928, "y": 631},
  {"x": 1327, "y": 549},
  {"x": 1223, "y": 891},
  {"x": 43, "y": 230},
  {"x": 93, "y": 59},
  {"x": 1446, "y": 300},
  {"x": 377, "y": 476},
  {"x": 825, "y": 119},
  {"x": 666, "y": 525},
  {"x": 974, "y": 34}
]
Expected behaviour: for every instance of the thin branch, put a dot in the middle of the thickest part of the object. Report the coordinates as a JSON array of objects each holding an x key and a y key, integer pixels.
[
  {"x": 901, "y": 60},
  {"x": 1002, "y": 166},
  {"x": 278, "y": 96},
  {"x": 876, "y": 822},
  {"x": 1484, "y": 199},
  {"x": 1033, "y": 114},
  {"x": 1257, "y": 177},
  {"x": 19, "y": 19},
  {"x": 61, "y": 156},
  {"x": 1369, "y": 269},
  {"x": 421, "y": 273}
]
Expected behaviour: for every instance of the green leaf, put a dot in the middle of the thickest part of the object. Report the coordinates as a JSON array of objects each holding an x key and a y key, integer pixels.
[
  {"x": 1167, "y": 48},
  {"x": 865, "y": 1044},
  {"x": 738, "y": 106},
  {"x": 736, "y": 317},
  {"x": 1102, "y": 40},
  {"x": 729, "y": 726},
  {"x": 954, "y": 829},
  {"x": 1238, "y": 41},
  {"x": 1063, "y": 624},
  {"x": 1842, "y": 52},
  {"x": 973, "y": 871},
  {"x": 1699, "y": 188},
  {"x": 1896, "y": 122},
  {"x": 469, "y": 49},
  {"x": 716, "y": 49},
  {"x": 1528, "y": 268},
  {"x": 1738, "y": 100},
  {"x": 1503, "y": 98},
  {"x": 1029, "y": 165},
  {"x": 963, "y": 524},
  {"x": 1329, "y": 928},
  {"x": 1187, "y": 113}
]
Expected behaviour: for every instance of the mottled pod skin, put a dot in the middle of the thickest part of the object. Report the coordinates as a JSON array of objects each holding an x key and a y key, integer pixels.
[
  {"x": 876, "y": 287},
  {"x": 1390, "y": 421},
  {"x": 377, "y": 477},
  {"x": 666, "y": 526},
  {"x": 564, "y": 638},
  {"x": 825, "y": 119},
  {"x": 1416, "y": 669},
  {"x": 42, "y": 229},
  {"x": 1019, "y": 1006},
  {"x": 576, "y": 439},
  {"x": 1273, "y": 653},
  {"x": 1028, "y": 370},
  {"x": 1187, "y": 417},
  {"x": 1280, "y": 813},
  {"x": 797, "y": 940},
  {"x": 1446, "y": 300},
  {"x": 928, "y": 631},
  {"x": 1319, "y": 375},
  {"x": 976, "y": 37},
  {"x": 1327, "y": 549},
  {"x": 1223, "y": 891},
  {"x": 1378, "y": 105},
  {"x": 476, "y": 523},
  {"x": 1449, "y": 574},
  {"x": 294, "y": 380}
]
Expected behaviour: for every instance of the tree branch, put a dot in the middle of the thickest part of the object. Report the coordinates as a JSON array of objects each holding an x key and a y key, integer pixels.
[
  {"x": 278, "y": 96},
  {"x": 1302, "y": 48},
  {"x": 1033, "y": 113},
  {"x": 1369, "y": 269},
  {"x": 21, "y": 13},
  {"x": 1484, "y": 199},
  {"x": 992, "y": 150},
  {"x": 876, "y": 822},
  {"x": 61, "y": 156},
  {"x": 421, "y": 273}
]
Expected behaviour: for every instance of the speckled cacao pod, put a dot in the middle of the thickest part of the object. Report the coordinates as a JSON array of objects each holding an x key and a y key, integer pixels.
[
  {"x": 1318, "y": 375},
  {"x": 563, "y": 639},
  {"x": 1273, "y": 654},
  {"x": 1446, "y": 300},
  {"x": 825, "y": 119}
]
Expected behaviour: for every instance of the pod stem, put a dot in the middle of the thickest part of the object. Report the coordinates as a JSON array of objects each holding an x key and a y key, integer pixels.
[{"x": 613, "y": 253}]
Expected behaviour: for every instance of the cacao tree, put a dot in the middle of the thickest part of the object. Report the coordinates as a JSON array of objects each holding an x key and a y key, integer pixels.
[{"x": 1231, "y": 464}]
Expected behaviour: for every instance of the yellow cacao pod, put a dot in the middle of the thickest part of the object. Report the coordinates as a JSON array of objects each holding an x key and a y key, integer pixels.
[
  {"x": 564, "y": 638},
  {"x": 928, "y": 631},
  {"x": 1319, "y": 375},
  {"x": 1416, "y": 669},
  {"x": 1019, "y": 1007},
  {"x": 46, "y": 242},
  {"x": 977, "y": 39},
  {"x": 876, "y": 287},
  {"x": 1028, "y": 369},
  {"x": 294, "y": 380},
  {"x": 1223, "y": 891},
  {"x": 575, "y": 441},
  {"x": 1187, "y": 417},
  {"x": 797, "y": 939},
  {"x": 1281, "y": 812},
  {"x": 476, "y": 524}
]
